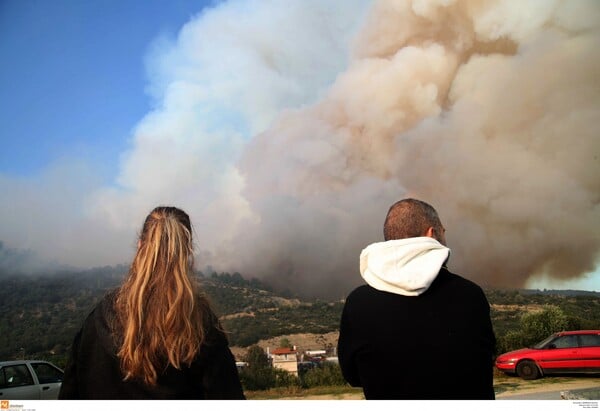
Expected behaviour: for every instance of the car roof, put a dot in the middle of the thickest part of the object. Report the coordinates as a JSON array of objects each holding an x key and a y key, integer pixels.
[
  {"x": 15, "y": 362},
  {"x": 579, "y": 332}
]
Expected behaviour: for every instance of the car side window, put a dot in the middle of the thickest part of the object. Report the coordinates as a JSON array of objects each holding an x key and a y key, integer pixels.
[
  {"x": 16, "y": 376},
  {"x": 590, "y": 340},
  {"x": 566, "y": 341},
  {"x": 46, "y": 373}
]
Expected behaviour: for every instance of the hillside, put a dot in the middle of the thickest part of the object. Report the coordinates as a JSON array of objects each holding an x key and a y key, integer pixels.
[
  {"x": 39, "y": 316},
  {"x": 507, "y": 306}
]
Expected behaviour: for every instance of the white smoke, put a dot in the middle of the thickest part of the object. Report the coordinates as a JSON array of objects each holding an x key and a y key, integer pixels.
[{"x": 230, "y": 73}]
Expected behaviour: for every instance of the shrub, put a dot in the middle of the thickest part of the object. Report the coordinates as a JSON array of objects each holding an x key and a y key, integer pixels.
[
  {"x": 285, "y": 379},
  {"x": 534, "y": 327},
  {"x": 326, "y": 374}
]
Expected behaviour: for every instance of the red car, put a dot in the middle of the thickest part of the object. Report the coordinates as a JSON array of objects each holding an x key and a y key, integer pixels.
[{"x": 564, "y": 352}]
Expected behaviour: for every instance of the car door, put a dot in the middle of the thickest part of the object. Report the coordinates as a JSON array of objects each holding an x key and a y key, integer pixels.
[
  {"x": 562, "y": 355},
  {"x": 590, "y": 351},
  {"x": 16, "y": 383},
  {"x": 50, "y": 379}
]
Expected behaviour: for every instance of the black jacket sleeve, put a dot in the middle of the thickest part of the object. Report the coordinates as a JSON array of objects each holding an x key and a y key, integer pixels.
[
  {"x": 216, "y": 372},
  {"x": 220, "y": 379},
  {"x": 488, "y": 344},
  {"x": 69, "y": 389},
  {"x": 348, "y": 346}
]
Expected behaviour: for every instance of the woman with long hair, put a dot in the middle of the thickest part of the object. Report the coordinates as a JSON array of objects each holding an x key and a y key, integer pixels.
[{"x": 156, "y": 336}]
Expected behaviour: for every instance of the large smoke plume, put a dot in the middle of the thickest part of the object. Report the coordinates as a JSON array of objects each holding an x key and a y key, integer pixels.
[
  {"x": 487, "y": 110},
  {"x": 287, "y": 129}
]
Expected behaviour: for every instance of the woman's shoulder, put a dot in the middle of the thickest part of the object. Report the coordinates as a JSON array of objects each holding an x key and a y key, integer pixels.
[
  {"x": 103, "y": 316},
  {"x": 106, "y": 306},
  {"x": 214, "y": 332}
]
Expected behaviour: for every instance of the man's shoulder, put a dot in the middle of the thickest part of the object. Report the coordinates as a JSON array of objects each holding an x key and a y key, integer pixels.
[
  {"x": 457, "y": 278},
  {"x": 449, "y": 279},
  {"x": 361, "y": 294},
  {"x": 361, "y": 290}
]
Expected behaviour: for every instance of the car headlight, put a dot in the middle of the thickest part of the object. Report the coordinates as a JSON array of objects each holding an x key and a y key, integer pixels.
[{"x": 509, "y": 361}]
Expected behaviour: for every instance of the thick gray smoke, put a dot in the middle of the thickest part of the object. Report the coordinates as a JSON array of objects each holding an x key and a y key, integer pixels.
[{"x": 487, "y": 110}]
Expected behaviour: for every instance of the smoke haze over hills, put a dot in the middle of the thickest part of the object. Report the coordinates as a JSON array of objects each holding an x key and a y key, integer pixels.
[{"x": 287, "y": 129}]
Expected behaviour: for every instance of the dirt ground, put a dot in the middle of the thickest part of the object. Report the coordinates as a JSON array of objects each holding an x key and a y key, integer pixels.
[
  {"x": 504, "y": 387},
  {"x": 507, "y": 386}
]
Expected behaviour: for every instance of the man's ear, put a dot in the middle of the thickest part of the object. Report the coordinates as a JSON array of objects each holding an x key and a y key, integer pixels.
[{"x": 430, "y": 233}]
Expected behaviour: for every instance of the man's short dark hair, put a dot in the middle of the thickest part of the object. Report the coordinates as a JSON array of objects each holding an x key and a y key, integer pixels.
[{"x": 410, "y": 218}]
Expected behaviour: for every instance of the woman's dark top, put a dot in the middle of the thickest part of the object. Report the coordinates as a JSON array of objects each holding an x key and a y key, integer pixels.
[{"x": 93, "y": 369}]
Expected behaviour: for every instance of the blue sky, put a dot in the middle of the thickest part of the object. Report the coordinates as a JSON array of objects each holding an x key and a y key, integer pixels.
[
  {"x": 243, "y": 111},
  {"x": 73, "y": 79}
]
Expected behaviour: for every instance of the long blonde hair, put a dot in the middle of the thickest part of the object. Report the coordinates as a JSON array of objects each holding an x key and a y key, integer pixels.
[{"x": 160, "y": 313}]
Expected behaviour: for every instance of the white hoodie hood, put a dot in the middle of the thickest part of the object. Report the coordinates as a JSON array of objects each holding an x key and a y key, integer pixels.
[{"x": 405, "y": 267}]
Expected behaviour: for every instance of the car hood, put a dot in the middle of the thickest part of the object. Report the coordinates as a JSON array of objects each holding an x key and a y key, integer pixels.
[{"x": 516, "y": 353}]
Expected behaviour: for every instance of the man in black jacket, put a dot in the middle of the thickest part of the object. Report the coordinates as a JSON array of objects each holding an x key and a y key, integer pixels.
[{"x": 416, "y": 330}]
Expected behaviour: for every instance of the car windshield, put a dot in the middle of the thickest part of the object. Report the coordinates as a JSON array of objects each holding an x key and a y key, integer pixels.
[{"x": 543, "y": 343}]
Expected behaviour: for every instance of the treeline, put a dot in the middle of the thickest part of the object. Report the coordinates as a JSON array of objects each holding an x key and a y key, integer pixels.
[
  {"x": 40, "y": 315},
  {"x": 581, "y": 310}
]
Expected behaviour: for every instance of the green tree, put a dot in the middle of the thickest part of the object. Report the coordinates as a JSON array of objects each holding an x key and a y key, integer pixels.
[
  {"x": 536, "y": 326},
  {"x": 258, "y": 374},
  {"x": 285, "y": 379},
  {"x": 257, "y": 358},
  {"x": 512, "y": 340},
  {"x": 326, "y": 374},
  {"x": 285, "y": 343}
]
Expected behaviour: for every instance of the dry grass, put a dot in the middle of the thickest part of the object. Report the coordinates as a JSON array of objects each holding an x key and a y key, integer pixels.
[
  {"x": 517, "y": 307},
  {"x": 317, "y": 393},
  {"x": 504, "y": 386},
  {"x": 507, "y": 385}
]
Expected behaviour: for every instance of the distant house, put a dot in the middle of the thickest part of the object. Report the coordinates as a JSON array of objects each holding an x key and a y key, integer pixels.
[{"x": 285, "y": 359}]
